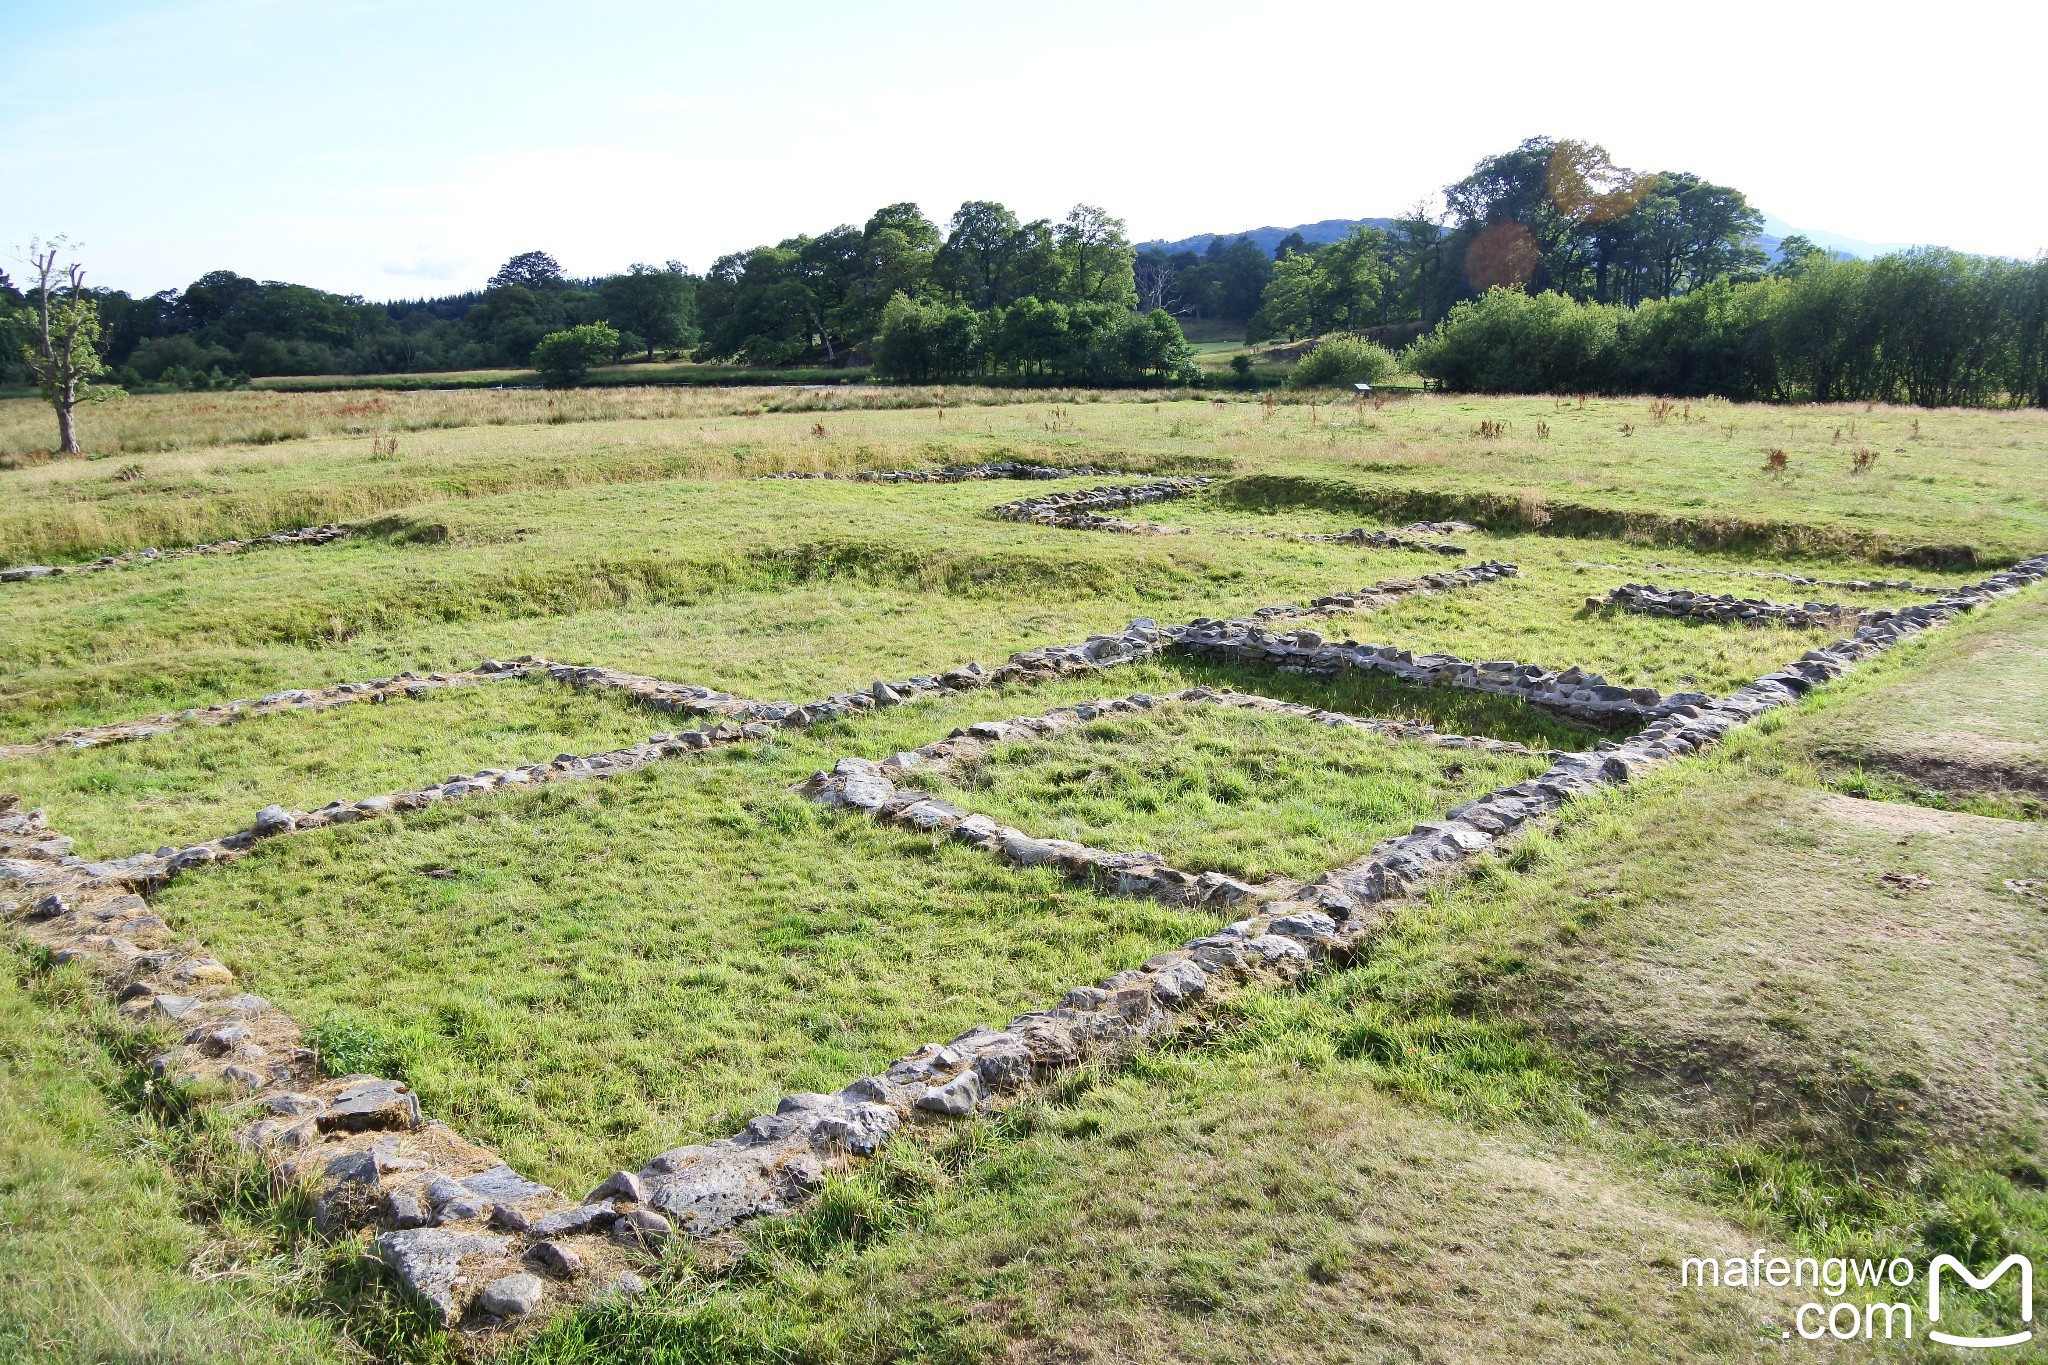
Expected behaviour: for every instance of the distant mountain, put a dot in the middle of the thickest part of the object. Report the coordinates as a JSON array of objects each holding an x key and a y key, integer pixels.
[
  {"x": 1775, "y": 231},
  {"x": 1315, "y": 234}
]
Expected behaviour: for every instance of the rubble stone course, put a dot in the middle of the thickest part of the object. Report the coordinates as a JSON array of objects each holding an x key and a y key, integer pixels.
[
  {"x": 957, "y": 473},
  {"x": 1082, "y": 510},
  {"x": 477, "y": 1241},
  {"x": 1651, "y": 600},
  {"x": 882, "y": 790},
  {"x": 1414, "y": 536},
  {"x": 1842, "y": 584},
  {"x": 311, "y": 535}
]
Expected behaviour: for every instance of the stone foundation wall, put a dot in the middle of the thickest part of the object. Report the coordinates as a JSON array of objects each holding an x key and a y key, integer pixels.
[
  {"x": 957, "y": 473},
  {"x": 312, "y": 535},
  {"x": 1840, "y": 584},
  {"x": 1415, "y": 536},
  {"x": 884, "y": 791},
  {"x": 1083, "y": 509},
  {"x": 480, "y": 1243},
  {"x": 1651, "y": 600}
]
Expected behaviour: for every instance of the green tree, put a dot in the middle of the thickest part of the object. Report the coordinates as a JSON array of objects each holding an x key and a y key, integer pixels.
[
  {"x": 1353, "y": 279},
  {"x": 531, "y": 270},
  {"x": 1096, "y": 258},
  {"x": 1341, "y": 362},
  {"x": 1294, "y": 299},
  {"x": 1507, "y": 341},
  {"x": 1797, "y": 254},
  {"x": 61, "y": 325},
  {"x": 990, "y": 260},
  {"x": 655, "y": 303},
  {"x": 922, "y": 339},
  {"x": 564, "y": 358},
  {"x": 897, "y": 246}
]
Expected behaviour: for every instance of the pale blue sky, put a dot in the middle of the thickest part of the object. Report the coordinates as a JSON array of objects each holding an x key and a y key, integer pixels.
[{"x": 401, "y": 148}]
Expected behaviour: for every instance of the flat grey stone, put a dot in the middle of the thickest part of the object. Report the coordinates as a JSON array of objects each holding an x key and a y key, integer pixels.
[
  {"x": 956, "y": 1097},
  {"x": 273, "y": 820},
  {"x": 513, "y": 1296},
  {"x": 504, "y": 1185},
  {"x": 373, "y": 1104},
  {"x": 620, "y": 1185},
  {"x": 428, "y": 1261},
  {"x": 405, "y": 1211},
  {"x": 567, "y": 1222}
]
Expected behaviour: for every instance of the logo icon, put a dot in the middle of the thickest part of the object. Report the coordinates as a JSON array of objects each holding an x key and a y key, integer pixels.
[{"x": 2026, "y": 1268}]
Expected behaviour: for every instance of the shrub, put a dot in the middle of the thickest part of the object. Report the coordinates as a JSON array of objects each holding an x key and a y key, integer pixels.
[
  {"x": 1506, "y": 341},
  {"x": 1341, "y": 361},
  {"x": 563, "y": 358}
]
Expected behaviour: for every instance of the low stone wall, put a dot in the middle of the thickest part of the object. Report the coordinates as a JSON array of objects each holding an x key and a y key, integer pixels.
[
  {"x": 473, "y": 1238},
  {"x": 1415, "y": 536},
  {"x": 882, "y": 790},
  {"x": 685, "y": 698},
  {"x": 1841, "y": 584},
  {"x": 957, "y": 473},
  {"x": 407, "y": 684},
  {"x": 311, "y": 535},
  {"x": 768, "y": 1166},
  {"x": 1083, "y": 509},
  {"x": 1648, "y": 599}
]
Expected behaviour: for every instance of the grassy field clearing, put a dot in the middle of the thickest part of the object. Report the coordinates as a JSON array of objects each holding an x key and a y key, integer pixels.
[
  {"x": 626, "y": 964},
  {"x": 1729, "y": 1006},
  {"x": 1963, "y": 478},
  {"x": 781, "y": 591},
  {"x": 1691, "y": 1017},
  {"x": 204, "y": 781},
  {"x": 1255, "y": 796}
]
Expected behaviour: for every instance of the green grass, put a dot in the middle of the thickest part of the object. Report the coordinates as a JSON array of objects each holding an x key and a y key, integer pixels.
[
  {"x": 777, "y": 590},
  {"x": 619, "y": 966},
  {"x": 200, "y": 782},
  {"x": 1688, "y": 1015},
  {"x": 1255, "y": 796},
  {"x": 1696, "y": 477},
  {"x": 1686, "y": 1018},
  {"x": 98, "y": 1258}
]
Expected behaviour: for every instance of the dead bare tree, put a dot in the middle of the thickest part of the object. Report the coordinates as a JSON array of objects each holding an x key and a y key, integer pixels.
[
  {"x": 1156, "y": 278},
  {"x": 62, "y": 323}
]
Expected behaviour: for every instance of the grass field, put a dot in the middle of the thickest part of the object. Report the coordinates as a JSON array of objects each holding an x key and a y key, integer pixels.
[
  {"x": 1690, "y": 1016},
  {"x": 1253, "y": 796}
]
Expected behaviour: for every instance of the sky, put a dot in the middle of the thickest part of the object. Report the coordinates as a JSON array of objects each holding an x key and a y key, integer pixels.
[{"x": 400, "y": 149}]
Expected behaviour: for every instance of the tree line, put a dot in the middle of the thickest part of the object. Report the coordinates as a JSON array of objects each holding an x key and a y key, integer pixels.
[
  {"x": 1547, "y": 216},
  {"x": 224, "y": 328},
  {"x": 1551, "y": 267},
  {"x": 988, "y": 296},
  {"x": 1928, "y": 326}
]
